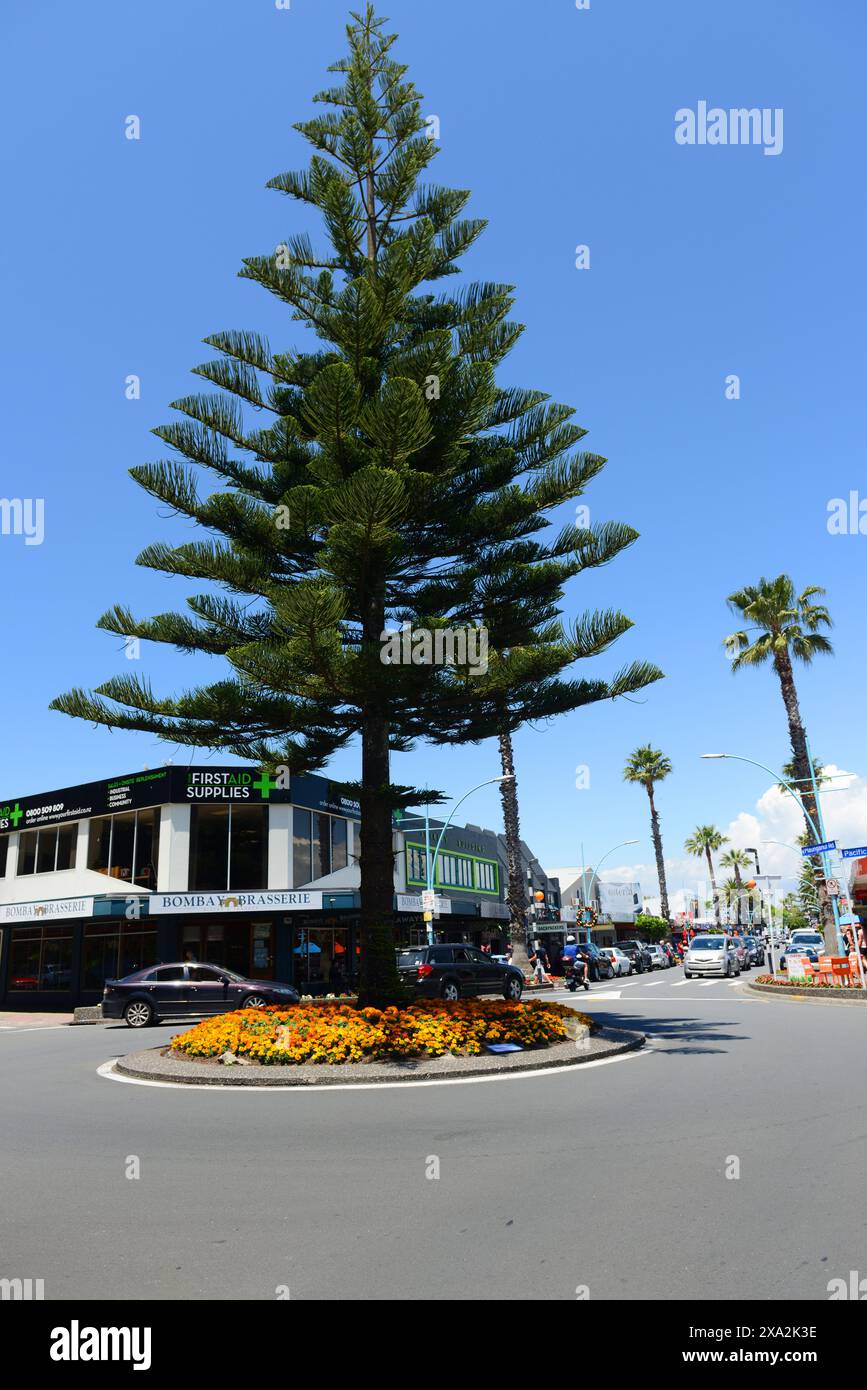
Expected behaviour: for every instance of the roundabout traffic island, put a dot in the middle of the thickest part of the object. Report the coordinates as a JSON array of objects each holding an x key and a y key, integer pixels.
[
  {"x": 340, "y": 1043},
  {"x": 830, "y": 991}
]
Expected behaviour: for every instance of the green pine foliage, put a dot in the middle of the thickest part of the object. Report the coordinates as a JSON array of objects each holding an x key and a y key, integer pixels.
[{"x": 375, "y": 476}]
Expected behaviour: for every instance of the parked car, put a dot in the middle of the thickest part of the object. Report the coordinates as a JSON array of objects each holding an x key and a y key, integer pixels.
[
  {"x": 619, "y": 959},
  {"x": 599, "y": 967},
  {"x": 658, "y": 959},
  {"x": 756, "y": 948},
  {"x": 668, "y": 948},
  {"x": 187, "y": 990},
  {"x": 714, "y": 954},
  {"x": 453, "y": 970},
  {"x": 638, "y": 953}
]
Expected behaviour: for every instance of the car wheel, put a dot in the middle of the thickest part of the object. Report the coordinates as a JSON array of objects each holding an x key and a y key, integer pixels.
[
  {"x": 138, "y": 1014},
  {"x": 687, "y": 974},
  {"x": 255, "y": 1001},
  {"x": 514, "y": 989},
  {"x": 451, "y": 991}
]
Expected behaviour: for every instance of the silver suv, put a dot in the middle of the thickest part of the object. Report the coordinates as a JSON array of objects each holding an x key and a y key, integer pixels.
[{"x": 713, "y": 954}]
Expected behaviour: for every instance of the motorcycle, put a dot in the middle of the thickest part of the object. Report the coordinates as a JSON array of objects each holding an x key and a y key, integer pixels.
[{"x": 577, "y": 974}]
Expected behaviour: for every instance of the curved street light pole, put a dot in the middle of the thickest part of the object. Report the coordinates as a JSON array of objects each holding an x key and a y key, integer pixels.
[
  {"x": 430, "y": 863},
  {"x": 595, "y": 874},
  {"x": 739, "y": 757}
]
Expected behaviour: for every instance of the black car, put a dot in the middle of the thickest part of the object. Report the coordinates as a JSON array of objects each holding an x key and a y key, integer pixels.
[
  {"x": 187, "y": 990},
  {"x": 454, "y": 970},
  {"x": 638, "y": 953},
  {"x": 756, "y": 948},
  {"x": 599, "y": 967}
]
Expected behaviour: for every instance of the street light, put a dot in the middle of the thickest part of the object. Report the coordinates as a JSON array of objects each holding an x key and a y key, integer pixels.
[
  {"x": 739, "y": 757},
  {"x": 430, "y": 864},
  {"x": 594, "y": 875}
]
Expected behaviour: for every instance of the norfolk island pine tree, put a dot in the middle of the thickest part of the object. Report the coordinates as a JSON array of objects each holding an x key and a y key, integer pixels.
[{"x": 395, "y": 483}]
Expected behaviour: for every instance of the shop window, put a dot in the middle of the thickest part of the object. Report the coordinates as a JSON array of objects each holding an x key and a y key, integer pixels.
[
  {"x": 4, "y": 854},
  {"x": 40, "y": 959},
  {"x": 322, "y": 964},
  {"x": 228, "y": 848},
  {"x": 339, "y": 843},
  {"x": 125, "y": 846},
  {"x": 248, "y": 847},
  {"x": 27, "y": 851},
  {"x": 113, "y": 949},
  {"x": 416, "y": 864},
  {"x": 321, "y": 846},
  {"x": 487, "y": 880},
  {"x": 301, "y": 860},
  {"x": 44, "y": 851}
]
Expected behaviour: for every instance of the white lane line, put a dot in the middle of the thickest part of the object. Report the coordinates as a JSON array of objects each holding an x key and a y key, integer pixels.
[
  {"x": 30, "y": 1028},
  {"x": 706, "y": 984},
  {"x": 680, "y": 984},
  {"x": 653, "y": 984},
  {"x": 107, "y": 1072}
]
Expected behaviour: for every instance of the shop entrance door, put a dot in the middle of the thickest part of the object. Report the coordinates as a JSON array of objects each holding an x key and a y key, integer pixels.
[{"x": 241, "y": 945}]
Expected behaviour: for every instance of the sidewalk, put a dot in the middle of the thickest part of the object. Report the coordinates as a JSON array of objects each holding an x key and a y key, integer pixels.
[{"x": 21, "y": 1020}]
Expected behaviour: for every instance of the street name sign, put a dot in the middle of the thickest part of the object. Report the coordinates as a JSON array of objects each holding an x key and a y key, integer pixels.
[
  {"x": 809, "y": 850},
  {"x": 859, "y": 853}
]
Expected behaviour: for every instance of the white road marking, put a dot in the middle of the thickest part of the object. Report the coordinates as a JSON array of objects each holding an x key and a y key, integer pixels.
[
  {"x": 31, "y": 1028},
  {"x": 108, "y": 1073},
  {"x": 680, "y": 984}
]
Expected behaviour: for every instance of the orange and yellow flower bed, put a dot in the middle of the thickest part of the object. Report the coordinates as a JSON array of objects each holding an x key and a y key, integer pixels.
[{"x": 342, "y": 1033}]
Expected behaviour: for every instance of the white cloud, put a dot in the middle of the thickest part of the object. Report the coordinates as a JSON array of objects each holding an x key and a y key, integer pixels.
[{"x": 775, "y": 818}]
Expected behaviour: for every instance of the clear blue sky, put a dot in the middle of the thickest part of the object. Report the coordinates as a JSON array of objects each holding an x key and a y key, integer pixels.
[{"x": 121, "y": 256}]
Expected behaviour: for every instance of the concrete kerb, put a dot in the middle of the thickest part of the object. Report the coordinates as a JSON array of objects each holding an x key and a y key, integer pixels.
[
  {"x": 153, "y": 1065},
  {"x": 824, "y": 993}
]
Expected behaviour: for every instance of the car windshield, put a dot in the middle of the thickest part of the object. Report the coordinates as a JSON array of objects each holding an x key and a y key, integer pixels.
[
  {"x": 706, "y": 943},
  {"x": 807, "y": 938}
]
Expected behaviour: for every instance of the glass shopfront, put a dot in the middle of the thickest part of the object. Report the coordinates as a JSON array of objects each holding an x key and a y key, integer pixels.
[
  {"x": 322, "y": 960},
  {"x": 40, "y": 959},
  {"x": 113, "y": 948}
]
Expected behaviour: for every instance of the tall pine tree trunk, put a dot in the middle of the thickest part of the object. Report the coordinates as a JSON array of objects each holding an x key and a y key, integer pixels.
[
  {"x": 380, "y": 984},
  {"x": 804, "y": 788},
  {"x": 517, "y": 893},
  {"x": 657, "y": 849}
]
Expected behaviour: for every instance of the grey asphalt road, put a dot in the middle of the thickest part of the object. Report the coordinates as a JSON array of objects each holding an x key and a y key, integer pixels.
[{"x": 611, "y": 1177}]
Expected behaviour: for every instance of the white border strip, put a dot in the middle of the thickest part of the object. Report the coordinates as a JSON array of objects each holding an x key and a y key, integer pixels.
[{"x": 108, "y": 1072}]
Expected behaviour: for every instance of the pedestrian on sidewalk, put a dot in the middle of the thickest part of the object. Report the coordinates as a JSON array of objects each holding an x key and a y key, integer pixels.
[{"x": 540, "y": 964}]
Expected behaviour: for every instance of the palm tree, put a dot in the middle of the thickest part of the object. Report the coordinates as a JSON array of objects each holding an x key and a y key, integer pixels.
[
  {"x": 788, "y": 627},
  {"x": 517, "y": 889},
  {"x": 736, "y": 859},
  {"x": 648, "y": 766},
  {"x": 706, "y": 840}
]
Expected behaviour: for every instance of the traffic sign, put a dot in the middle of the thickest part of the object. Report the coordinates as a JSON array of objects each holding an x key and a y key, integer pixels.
[
  {"x": 809, "y": 850},
  {"x": 860, "y": 853},
  {"x": 428, "y": 901}
]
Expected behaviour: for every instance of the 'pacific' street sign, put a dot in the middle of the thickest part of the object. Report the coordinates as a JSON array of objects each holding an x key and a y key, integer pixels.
[{"x": 860, "y": 853}]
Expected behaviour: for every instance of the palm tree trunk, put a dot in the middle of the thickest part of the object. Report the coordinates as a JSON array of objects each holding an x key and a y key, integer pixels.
[
  {"x": 738, "y": 885},
  {"x": 803, "y": 786},
  {"x": 714, "y": 894},
  {"x": 517, "y": 890},
  {"x": 660, "y": 861}
]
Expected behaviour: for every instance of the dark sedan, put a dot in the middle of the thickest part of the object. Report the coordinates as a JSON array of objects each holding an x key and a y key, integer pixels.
[
  {"x": 453, "y": 970},
  {"x": 187, "y": 991}
]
